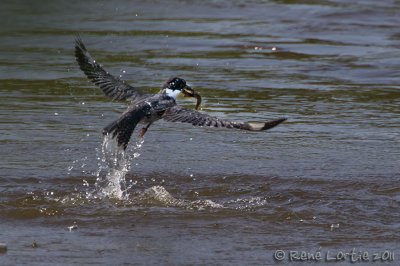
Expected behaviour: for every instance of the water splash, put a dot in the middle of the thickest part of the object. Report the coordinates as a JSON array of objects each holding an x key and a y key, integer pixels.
[
  {"x": 78, "y": 164},
  {"x": 114, "y": 164},
  {"x": 159, "y": 196}
]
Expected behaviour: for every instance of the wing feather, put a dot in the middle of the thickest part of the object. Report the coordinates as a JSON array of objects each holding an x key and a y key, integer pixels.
[
  {"x": 112, "y": 86},
  {"x": 180, "y": 114}
]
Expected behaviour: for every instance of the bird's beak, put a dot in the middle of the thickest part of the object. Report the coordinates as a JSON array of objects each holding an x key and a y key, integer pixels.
[{"x": 189, "y": 92}]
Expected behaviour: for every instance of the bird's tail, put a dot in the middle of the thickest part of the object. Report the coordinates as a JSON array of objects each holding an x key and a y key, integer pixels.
[{"x": 122, "y": 129}]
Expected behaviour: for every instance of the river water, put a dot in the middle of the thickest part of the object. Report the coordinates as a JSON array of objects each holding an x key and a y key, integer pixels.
[{"x": 326, "y": 180}]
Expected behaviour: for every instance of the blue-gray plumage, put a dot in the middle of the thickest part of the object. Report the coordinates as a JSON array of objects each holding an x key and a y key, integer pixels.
[{"x": 147, "y": 108}]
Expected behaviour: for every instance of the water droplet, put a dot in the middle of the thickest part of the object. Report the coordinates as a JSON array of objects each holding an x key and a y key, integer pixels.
[
  {"x": 334, "y": 226},
  {"x": 55, "y": 113},
  {"x": 273, "y": 48}
]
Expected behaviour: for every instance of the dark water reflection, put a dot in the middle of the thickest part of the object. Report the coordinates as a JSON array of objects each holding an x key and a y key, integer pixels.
[{"x": 327, "y": 178}]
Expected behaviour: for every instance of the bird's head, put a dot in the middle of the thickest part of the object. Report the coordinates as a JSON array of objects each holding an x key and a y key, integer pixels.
[{"x": 174, "y": 86}]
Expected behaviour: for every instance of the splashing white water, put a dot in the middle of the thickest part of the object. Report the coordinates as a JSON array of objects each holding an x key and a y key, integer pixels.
[
  {"x": 160, "y": 196},
  {"x": 114, "y": 163}
]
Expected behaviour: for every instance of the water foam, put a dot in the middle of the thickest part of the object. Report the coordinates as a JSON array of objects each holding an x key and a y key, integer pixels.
[
  {"x": 114, "y": 164},
  {"x": 158, "y": 195}
]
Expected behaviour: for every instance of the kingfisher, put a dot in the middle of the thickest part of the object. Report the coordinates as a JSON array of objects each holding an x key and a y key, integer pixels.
[{"x": 146, "y": 108}]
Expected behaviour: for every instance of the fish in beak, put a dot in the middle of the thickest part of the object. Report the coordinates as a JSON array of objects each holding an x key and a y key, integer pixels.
[{"x": 189, "y": 92}]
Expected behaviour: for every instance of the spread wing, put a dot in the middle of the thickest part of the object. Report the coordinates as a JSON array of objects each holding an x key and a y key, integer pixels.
[
  {"x": 180, "y": 114},
  {"x": 113, "y": 87}
]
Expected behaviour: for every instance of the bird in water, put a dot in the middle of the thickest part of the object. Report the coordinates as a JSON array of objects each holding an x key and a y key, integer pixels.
[{"x": 147, "y": 108}]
